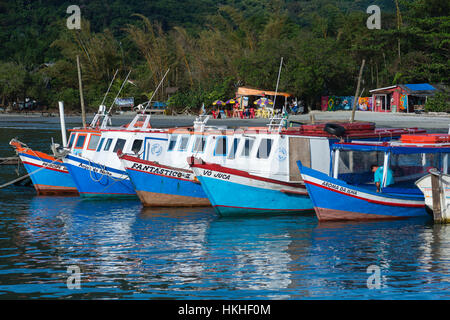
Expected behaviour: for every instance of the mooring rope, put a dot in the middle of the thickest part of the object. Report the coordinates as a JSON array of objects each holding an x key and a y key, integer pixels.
[{"x": 25, "y": 176}]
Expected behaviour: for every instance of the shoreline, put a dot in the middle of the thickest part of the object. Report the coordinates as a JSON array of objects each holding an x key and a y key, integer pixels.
[{"x": 394, "y": 120}]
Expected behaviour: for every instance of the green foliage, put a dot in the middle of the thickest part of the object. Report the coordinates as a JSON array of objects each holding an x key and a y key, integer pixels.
[
  {"x": 440, "y": 102},
  {"x": 210, "y": 47}
]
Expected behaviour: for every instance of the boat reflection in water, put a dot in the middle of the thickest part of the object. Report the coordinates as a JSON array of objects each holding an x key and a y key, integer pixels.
[
  {"x": 126, "y": 251},
  {"x": 404, "y": 251}
]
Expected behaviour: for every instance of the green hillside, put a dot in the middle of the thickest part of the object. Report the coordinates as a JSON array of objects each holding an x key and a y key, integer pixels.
[{"x": 213, "y": 46}]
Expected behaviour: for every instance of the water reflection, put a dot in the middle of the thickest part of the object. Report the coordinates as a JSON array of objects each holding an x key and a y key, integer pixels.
[
  {"x": 342, "y": 253},
  {"x": 126, "y": 251}
]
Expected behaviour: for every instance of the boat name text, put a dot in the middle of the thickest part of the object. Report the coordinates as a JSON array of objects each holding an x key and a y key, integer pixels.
[
  {"x": 162, "y": 171},
  {"x": 217, "y": 175},
  {"x": 339, "y": 188}
]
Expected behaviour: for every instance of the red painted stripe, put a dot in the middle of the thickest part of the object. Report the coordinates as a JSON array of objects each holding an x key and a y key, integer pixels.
[
  {"x": 38, "y": 154},
  {"x": 131, "y": 194},
  {"x": 369, "y": 200},
  {"x": 39, "y": 166},
  {"x": 245, "y": 174},
  {"x": 263, "y": 209},
  {"x": 152, "y": 163}
]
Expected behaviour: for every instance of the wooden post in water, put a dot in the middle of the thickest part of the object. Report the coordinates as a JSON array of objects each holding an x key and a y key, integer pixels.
[
  {"x": 352, "y": 119},
  {"x": 80, "y": 85},
  {"x": 436, "y": 195}
]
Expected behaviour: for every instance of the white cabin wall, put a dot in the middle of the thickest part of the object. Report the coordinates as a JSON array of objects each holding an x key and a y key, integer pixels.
[{"x": 320, "y": 154}]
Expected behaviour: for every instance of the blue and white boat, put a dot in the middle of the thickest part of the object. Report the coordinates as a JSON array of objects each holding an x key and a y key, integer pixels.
[
  {"x": 102, "y": 174},
  {"x": 168, "y": 180},
  {"x": 348, "y": 192},
  {"x": 47, "y": 171},
  {"x": 258, "y": 172}
]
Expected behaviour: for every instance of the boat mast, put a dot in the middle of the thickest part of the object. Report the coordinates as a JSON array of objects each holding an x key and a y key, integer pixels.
[
  {"x": 107, "y": 115},
  {"x": 101, "y": 108}
]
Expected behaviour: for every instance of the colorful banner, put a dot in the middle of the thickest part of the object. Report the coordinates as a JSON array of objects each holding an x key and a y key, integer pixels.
[
  {"x": 403, "y": 102},
  {"x": 335, "y": 103},
  {"x": 365, "y": 104},
  {"x": 125, "y": 102}
]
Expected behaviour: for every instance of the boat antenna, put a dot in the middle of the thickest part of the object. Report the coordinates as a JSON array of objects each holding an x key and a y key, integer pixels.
[
  {"x": 101, "y": 108},
  {"x": 156, "y": 90},
  {"x": 106, "y": 94},
  {"x": 277, "y": 122},
  {"x": 276, "y": 88},
  {"x": 123, "y": 84}
]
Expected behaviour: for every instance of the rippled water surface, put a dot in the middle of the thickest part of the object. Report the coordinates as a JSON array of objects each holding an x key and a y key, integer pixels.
[{"x": 127, "y": 252}]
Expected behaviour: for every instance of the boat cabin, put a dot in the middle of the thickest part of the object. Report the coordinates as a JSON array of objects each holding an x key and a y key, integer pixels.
[
  {"x": 83, "y": 141},
  {"x": 265, "y": 152},
  {"x": 401, "y": 162}
]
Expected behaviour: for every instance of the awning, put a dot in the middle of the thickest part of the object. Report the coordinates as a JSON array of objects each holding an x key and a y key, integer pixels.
[{"x": 243, "y": 91}]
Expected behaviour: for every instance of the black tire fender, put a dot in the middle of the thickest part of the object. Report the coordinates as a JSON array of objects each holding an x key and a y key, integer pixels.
[{"x": 334, "y": 129}]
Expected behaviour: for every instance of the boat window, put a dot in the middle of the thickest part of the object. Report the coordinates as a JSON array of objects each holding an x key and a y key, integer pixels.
[
  {"x": 108, "y": 144},
  {"x": 233, "y": 148},
  {"x": 172, "y": 142},
  {"x": 248, "y": 144},
  {"x": 71, "y": 140},
  {"x": 80, "y": 141},
  {"x": 100, "y": 144},
  {"x": 136, "y": 147},
  {"x": 355, "y": 166},
  {"x": 407, "y": 168},
  {"x": 183, "y": 143},
  {"x": 264, "y": 148},
  {"x": 199, "y": 145},
  {"x": 221, "y": 146},
  {"x": 119, "y": 145},
  {"x": 93, "y": 141}
]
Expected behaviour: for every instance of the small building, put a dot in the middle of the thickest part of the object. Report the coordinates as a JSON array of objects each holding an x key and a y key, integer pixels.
[{"x": 402, "y": 97}]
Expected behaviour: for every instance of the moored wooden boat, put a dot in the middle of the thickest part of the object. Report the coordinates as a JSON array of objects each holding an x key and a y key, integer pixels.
[
  {"x": 347, "y": 193},
  {"x": 437, "y": 199},
  {"x": 48, "y": 172},
  {"x": 261, "y": 175}
]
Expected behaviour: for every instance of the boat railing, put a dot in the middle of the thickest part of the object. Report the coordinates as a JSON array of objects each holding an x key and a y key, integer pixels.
[
  {"x": 277, "y": 123},
  {"x": 200, "y": 122},
  {"x": 137, "y": 120}
]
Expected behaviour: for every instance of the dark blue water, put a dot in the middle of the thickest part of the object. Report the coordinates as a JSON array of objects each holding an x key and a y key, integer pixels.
[{"x": 124, "y": 251}]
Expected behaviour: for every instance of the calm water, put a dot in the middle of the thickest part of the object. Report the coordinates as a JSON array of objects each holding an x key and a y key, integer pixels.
[{"x": 127, "y": 252}]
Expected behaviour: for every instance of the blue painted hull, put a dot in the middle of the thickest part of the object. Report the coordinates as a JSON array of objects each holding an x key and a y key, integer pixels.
[
  {"x": 92, "y": 184},
  {"x": 48, "y": 177},
  {"x": 160, "y": 190},
  {"x": 334, "y": 199},
  {"x": 230, "y": 198}
]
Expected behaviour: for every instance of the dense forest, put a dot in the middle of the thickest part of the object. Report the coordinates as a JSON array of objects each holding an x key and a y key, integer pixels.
[{"x": 211, "y": 47}]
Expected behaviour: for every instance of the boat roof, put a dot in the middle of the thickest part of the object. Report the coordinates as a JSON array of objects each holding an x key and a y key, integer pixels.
[{"x": 394, "y": 147}]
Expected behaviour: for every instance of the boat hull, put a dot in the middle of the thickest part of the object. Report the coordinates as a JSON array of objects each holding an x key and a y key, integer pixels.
[
  {"x": 424, "y": 184},
  {"x": 335, "y": 200},
  {"x": 48, "y": 174},
  {"x": 97, "y": 181},
  {"x": 235, "y": 192},
  {"x": 162, "y": 186}
]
